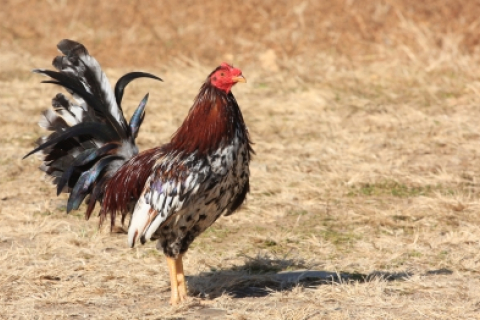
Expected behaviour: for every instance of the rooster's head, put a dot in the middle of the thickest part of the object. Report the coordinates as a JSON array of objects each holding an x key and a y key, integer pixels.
[{"x": 225, "y": 77}]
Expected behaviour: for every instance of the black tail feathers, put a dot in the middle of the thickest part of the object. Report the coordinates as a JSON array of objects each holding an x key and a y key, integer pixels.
[{"x": 90, "y": 137}]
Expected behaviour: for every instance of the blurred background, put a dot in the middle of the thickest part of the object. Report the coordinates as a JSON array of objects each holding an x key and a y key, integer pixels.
[{"x": 269, "y": 35}]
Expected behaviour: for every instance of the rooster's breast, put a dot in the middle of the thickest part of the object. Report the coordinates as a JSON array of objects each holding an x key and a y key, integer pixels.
[{"x": 204, "y": 188}]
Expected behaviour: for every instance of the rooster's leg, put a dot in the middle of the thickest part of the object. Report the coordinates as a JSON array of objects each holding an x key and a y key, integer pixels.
[
  {"x": 177, "y": 280},
  {"x": 182, "y": 286}
]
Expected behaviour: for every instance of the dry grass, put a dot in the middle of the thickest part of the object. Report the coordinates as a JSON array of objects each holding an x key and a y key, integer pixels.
[{"x": 366, "y": 167}]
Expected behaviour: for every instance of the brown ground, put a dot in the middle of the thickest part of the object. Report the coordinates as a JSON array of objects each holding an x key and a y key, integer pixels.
[{"x": 365, "y": 118}]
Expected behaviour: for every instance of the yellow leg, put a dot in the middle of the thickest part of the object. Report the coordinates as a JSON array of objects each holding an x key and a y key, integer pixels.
[
  {"x": 182, "y": 286},
  {"x": 177, "y": 280}
]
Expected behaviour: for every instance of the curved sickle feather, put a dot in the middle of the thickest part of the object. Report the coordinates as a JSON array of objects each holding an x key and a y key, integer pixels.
[
  {"x": 126, "y": 79},
  {"x": 137, "y": 117}
]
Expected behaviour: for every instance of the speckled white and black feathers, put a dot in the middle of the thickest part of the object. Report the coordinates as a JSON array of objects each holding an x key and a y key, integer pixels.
[{"x": 176, "y": 207}]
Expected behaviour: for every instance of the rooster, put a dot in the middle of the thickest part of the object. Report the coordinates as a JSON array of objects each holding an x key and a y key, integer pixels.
[{"x": 173, "y": 192}]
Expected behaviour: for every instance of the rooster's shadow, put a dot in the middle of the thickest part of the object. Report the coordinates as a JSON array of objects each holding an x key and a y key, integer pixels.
[{"x": 261, "y": 276}]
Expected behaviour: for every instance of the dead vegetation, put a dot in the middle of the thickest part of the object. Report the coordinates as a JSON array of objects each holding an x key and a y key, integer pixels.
[{"x": 365, "y": 122}]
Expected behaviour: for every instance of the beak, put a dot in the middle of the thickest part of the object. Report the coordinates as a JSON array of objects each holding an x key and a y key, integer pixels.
[{"x": 240, "y": 78}]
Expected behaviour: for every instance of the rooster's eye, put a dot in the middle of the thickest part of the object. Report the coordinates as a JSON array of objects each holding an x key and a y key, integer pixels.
[{"x": 222, "y": 74}]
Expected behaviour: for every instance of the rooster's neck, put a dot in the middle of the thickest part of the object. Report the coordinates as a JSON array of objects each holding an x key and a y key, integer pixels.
[{"x": 212, "y": 122}]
